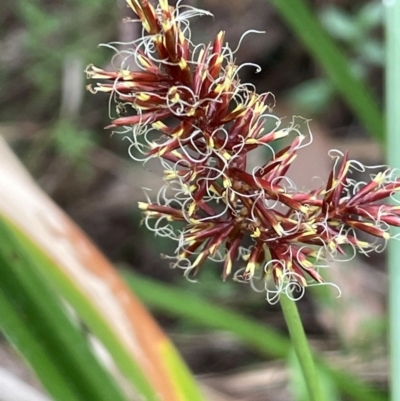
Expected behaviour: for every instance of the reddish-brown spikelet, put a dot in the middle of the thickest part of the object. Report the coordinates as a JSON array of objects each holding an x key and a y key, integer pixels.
[{"x": 210, "y": 122}]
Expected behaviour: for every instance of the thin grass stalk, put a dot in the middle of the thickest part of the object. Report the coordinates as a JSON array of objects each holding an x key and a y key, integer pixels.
[
  {"x": 358, "y": 96},
  {"x": 392, "y": 12},
  {"x": 265, "y": 340},
  {"x": 301, "y": 347}
]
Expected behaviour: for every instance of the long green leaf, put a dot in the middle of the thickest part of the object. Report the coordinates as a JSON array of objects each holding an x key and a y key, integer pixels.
[
  {"x": 128, "y": 366},
  {"x": 35, "y": 321},
  {"x": 392, "y": 20},
  {"x": 267, "y": 341},
  {"x": 82, "y": 276},
  {"x": 307, "y": 28}
]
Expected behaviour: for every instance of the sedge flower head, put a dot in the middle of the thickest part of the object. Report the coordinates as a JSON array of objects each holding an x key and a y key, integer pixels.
[{"x": 184, "y": 104}]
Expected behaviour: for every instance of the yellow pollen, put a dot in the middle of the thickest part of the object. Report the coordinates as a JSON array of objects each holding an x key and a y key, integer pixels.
[
  {"x": 228, "y": 268},
  {"x": 219, "y": 60},
  {"x": 226, "y": 182},
  {"x": 143, "y": 61},
  {"x": 182, "y": 64},
  {"x": 281, "y": 133},
  {"x": 175, "y": 98},
  {"x": 256, "y": 233},
  {"x": 125, "y": 74},
  {"x": 226, "y": 156},
  {"x": 306, "y": 263},
  {"x": 158, "y": 125},
  {"x": 143, "y": 205},
  {"x": 162, "y": 151},
  {"x": 143, "y": 96},
  {"x": 251, "y": 141},
  {"x": 170, "y": 174},
  {"x": 278, "y": 273},
  {"x": 303, "y": 281},
  {"x": 303, "y": 209},
  {"x": 102, "y": 89},
  {"x": 192, "y": 209},
  {"x": 177, "y": 133},
  {"x": 379, "y": 178},
  {"x": 201, "y": 53},
  {"x": 363, "y": 244},
  {"x": 260, "y": 108},
  {"x": 198, "y": 259},
  {"x": 250, "y": 268},
  {"x": 176, "y": 154},
  {"x": 164, "y": 5},
  {"x": 181, "y": 37}
]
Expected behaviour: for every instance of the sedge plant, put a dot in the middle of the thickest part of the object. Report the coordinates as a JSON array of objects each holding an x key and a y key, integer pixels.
[{"x": 184, "y": 104}]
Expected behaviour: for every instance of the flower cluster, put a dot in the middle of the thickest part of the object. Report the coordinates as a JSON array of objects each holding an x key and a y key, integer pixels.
[{"x": 255, "y": 222}]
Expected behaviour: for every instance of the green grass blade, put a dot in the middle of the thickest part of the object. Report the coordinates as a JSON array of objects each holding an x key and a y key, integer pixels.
[
  {"x": 82, "y": 276},
  {"x": 178, "y": 302},
  {"x": 307, "y": 28},
  {"x": 20, "y": 334},
  {"x": 89, "y": 314},
  {"x": 35, "y": 321},
  {"x": 392, "y": 24}
]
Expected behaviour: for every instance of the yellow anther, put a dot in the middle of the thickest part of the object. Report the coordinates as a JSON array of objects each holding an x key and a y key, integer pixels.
[
  {"x": 250, "y": 268},
  {"x": 221, "y": 87},
  {"x": 143, "y": 61},
  {"x": 170, "y": 174},
  {"x": 198, "y": 259},
  {"x": 228, "y": 267},
  {"x": 278, "y": 273},
  {"x": 162, "y": 151},
  {"x": 176, "y": 154},
  {"x": 143, "y": 96},
  {"x": 192, "y": 209},
  {"x": 143, "y": 205},
  {"x": 306, "y": 263},
  {"x": 380, "y": 178},
  {"x": 201, "y": 53},
  {"x": 182, "y": 64},
  {"x": 178, "y": 133},
  {"x": 164, "y": 5},
  {"x": 100, "y": 88},
  {"x": 175, "y": 97},
  {"x": 251, "y": 141},
  {"x": 226, "y": 156},
  {"x": 303, "y": 281},
  {"x": 226, "y": 182}
]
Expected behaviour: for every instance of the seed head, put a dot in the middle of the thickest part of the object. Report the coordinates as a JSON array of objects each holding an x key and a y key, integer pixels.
[{"x": 208, "y": 124}]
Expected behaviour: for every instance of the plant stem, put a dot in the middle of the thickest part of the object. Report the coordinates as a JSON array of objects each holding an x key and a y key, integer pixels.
[
  {"x": 358, "y": 96},
  {"x": 392, "y": 14},
  {"x": 301, "y": 347}
]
